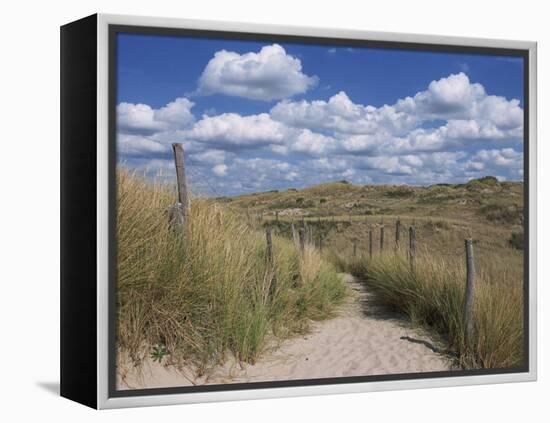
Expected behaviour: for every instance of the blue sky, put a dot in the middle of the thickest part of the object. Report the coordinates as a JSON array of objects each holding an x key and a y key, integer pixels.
[{"x": 256, "y": 116}]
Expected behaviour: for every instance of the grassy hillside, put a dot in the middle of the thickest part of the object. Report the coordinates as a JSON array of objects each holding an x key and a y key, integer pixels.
[
  {"x": 443, "y": 215},
  {"x": 494, "y": 200},
  {"x": 198, "y": 294}
]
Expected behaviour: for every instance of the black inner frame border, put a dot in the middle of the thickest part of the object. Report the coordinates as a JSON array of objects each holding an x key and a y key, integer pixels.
[{"x": 114, "y": 29}]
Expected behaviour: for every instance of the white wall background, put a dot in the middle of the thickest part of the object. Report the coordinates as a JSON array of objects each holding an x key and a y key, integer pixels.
[{"x": 29, "y": 223}]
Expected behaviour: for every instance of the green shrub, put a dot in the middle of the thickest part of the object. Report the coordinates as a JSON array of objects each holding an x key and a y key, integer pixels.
[
  {"x": 502, "y": 213},
  {"x": 516, "y": 240},
  {"x": 399, "y": 192}
]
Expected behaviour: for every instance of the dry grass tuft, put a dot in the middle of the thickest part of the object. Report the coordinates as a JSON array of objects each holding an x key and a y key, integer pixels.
[
  {"x": 432, "y": 295},
  {"x": 210, "y": 290}
]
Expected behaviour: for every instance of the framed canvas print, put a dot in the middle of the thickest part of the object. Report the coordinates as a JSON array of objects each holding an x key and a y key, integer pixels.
[{"x": 254, "y": 211}]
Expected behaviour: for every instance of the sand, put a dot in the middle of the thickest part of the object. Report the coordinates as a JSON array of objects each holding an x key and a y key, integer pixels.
[{"x": 363, "y": 339}]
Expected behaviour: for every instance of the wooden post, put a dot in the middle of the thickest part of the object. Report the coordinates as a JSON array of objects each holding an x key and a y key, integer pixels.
[
  {"x": 469, "y": 293},
  {"x": 269, "y": 258},
  {"x": 370, "y": 242},
  {"x": 277, "y": 216},
  {"x": 269, "y": 249},
  {"x": 294, "y": 235},
  {"x": 412, "y": 246},
  {"x": 381, "y": 238},
  {"x": 180, "y": 176},
  {"x": 176, "y": 217},
  {"x": 177, "y": 213},
  {"x": 302, "y": 237},
  {"x": 397, "y": 233}
]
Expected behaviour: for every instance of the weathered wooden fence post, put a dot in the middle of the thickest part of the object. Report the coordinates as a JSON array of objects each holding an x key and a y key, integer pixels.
[
  {"x": 397, "y": 233},
  {"x": 180, "y": 175},
  {"x": 269, "y": 258},
  {"x": 302, "y": 236},
  {"x": 382, "y": 238},
  {"x": 469, "y": 293},
  {"x": 412, "y": 246},
  {"x": 269, "y": 249},
  {"x": 294, "y": 234},
  {"x": 177, "y": 213},
  {"x": 277, "y": 216},
  {"x": 370, "y": 242}
]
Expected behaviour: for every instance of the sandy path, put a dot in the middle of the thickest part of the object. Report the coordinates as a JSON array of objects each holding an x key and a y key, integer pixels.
[{"x": 363, "y": 339}]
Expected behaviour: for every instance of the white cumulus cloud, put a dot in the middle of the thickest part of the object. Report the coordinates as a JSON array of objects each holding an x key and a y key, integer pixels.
[
  {"x": 220, "y": 170},
  {"x": 234, "y": 130},
  {"x": 455, "y": 97},
  {"x": 136, "y": 145},
  {"x": 342, "y": 115},
  {"x": 506, "y": 157},
  {"x": 269, "y": 74},
  {"x": 143, "y": 119}
]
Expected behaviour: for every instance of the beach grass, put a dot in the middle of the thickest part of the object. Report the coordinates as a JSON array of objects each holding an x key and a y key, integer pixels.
[
  {"x": 431, "y": 294},
  {"x": 209, "y": 290}
]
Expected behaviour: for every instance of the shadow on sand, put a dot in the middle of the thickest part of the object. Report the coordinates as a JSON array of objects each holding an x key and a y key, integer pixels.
[{"x": 372, "y": 308}]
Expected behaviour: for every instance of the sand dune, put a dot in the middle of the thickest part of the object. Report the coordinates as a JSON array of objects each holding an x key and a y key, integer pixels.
[{"x": 364, "y": 339}]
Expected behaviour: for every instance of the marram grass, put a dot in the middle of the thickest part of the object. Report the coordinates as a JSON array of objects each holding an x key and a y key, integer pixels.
[
  {"x": 432, "y": 295},
  {"x": 209, "y": 290}
]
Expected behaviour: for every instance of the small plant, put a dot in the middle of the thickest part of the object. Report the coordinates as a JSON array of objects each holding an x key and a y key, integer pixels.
[
  {"x": 322, "y": 200},
  {"x": 159, "y": 352},
  {"x": 488, "y": 180},
  {"x": 501, "y": 213},
  {"x": 516, "y": 240},
  {"x": 399, "y": 192}
]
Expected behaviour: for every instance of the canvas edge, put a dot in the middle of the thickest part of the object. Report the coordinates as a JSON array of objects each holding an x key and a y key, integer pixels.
[{"x": 103, "y": 400}]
